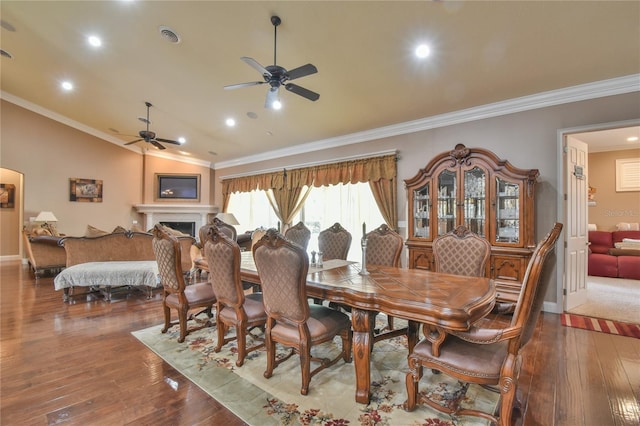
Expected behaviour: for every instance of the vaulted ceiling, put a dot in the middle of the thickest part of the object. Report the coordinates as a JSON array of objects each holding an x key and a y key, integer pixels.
[{"x": 368, "y": 76}]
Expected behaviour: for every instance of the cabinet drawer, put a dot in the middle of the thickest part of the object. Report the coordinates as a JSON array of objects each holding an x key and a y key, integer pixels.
[
  {"x": 508, "y": 268},
  {"x": 421, "y": 259}
]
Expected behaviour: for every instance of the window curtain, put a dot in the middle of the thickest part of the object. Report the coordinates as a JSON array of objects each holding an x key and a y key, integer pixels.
[
  {"x": 286, "y": 203},
  {"x": 287, "y": 186}
]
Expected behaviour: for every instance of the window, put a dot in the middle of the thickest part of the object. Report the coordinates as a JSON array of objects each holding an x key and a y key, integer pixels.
[{"x": 349, "y": 204}]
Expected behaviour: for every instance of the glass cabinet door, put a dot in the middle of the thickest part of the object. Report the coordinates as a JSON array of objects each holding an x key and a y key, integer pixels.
[
  {"x": 475, "y": 200},
  {"x": 446, "y": 201},
  {"x": 507, "y": 211},
  {"x": 421, "y": 212}
]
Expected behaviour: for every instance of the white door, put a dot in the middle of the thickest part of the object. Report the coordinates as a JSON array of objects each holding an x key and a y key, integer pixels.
[{"x": 576, "y": 234}]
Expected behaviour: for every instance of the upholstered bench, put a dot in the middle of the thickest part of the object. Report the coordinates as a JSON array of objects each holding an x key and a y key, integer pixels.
[{"x": 103, "y": 276}]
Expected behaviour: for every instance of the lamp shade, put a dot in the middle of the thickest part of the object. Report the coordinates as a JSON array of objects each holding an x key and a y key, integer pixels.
[
  {"x": 228, "y": 218},
  {"x": 46, "y": 217}
]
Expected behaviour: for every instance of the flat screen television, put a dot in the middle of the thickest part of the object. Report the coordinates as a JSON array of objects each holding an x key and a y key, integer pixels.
[{"x": 178, "y": 187}]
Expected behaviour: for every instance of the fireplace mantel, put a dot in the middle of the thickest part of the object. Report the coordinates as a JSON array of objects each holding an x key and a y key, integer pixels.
[{"x": 154, "y": 213}]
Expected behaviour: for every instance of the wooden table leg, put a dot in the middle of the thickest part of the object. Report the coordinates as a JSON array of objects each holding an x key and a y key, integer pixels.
[
  {"x": 362, "y": 342},
  {"x": 412, "y": 334}
]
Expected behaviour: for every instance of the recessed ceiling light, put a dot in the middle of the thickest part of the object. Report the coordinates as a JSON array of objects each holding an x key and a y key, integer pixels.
[
  {"x": 67, "y": 85},
  {"x": 632, "y": 139},
  {"x": 422, "y": 51},
  {"x": 252, "y": 115},
  {"x": 94, "y": 41},
  {"x": 230, "y": 122}
]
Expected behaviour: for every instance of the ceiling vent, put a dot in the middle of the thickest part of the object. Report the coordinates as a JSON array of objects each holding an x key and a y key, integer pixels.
[
  {"x": 169, "y": 34},
  {"x": 5, "y": 54}
]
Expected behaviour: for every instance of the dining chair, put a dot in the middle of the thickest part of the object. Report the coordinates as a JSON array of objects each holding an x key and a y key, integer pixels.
[
  {"x": 233, "y": 307},
  {"x": 299, "y": 234},
  {"x": 197, "y": 253},
  {"x": 291, "y": 320},
  {"x": 334, "y": 242},
  {"x": 256, "y": 235},
  {"x": 489, "y": 353},
  {"x": 176, "y": 294},
  {"x": 461, "y": 252},
  {"x": 384, "y": 246}
]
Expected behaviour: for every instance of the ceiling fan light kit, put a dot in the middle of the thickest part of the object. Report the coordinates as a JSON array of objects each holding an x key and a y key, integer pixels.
[{"x": 277, "y": 76}]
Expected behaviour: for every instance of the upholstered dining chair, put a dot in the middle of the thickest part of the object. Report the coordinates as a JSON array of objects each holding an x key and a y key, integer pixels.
[
  {"x": 334, "y": 242},
  {"x": 199, "y": 260},
  {"x": 461, "y": 252},
  {"x": 176, "y": 294},
  {"x": 291, "y": 320},
  {"x": 384, "y": 247},
  {"x": 299, "y": 234},
  {"x": 489, "y": 353},
  {"x": 233, "y": 308}
]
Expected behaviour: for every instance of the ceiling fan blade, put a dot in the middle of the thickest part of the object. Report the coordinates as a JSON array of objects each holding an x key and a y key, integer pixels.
[
  {"x": 132, "y": 142},
  {"x": 302, "y": 71},
  {"x": 272, "y": 96},
  {"x": 237, "y": 86},
  {"x": 305, "y": 93},
  {"x": 156, "y": 144},
  {"x": 254, "y": 64},
  {"x": 168, "y": 141}
]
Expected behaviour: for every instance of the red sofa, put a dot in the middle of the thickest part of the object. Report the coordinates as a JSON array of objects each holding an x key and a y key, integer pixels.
[{"x": 605, "y": 260}]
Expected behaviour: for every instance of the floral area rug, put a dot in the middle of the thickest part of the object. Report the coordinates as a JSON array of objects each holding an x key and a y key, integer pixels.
[{"x": 331, "y": 398}]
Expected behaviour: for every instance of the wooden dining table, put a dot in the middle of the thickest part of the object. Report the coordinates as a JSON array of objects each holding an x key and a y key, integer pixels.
[{"x": 441, "y": 302}]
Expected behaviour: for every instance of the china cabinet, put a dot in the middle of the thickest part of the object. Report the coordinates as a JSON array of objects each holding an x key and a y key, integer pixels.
[{"x": 492, "y": 198}]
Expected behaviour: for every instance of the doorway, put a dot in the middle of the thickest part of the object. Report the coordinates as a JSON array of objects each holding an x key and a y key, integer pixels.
[{"x": 581, "y": 293}]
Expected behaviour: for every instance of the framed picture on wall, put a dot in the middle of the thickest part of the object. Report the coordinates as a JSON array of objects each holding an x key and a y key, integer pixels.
[
  {"x": 85, "y": 190},
  {"x": 7, "y": 195},
  {"x": 627, "y": 174}
]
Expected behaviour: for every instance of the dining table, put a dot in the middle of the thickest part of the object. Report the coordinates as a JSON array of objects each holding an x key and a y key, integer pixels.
[{"x": 437, "y": 301}]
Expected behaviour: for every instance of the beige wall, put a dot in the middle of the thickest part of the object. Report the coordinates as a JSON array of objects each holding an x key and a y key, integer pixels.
[
  {"x": 49, "y": 153},
  {"x": 611, "y": 207},
  {"x": 10, "y": 216},
  {"x": 527, "y": 139}
]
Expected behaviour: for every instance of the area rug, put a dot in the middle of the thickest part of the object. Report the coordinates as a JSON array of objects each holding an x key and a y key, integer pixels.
[
  {"x": 331, "y": 398},
  {"x": 601, "y": 325}
]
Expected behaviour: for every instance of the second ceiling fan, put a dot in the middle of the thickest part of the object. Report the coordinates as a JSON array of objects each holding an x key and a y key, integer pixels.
[
  {"x": 150, "y": 137},
  {"x": 277, "y": 76}
]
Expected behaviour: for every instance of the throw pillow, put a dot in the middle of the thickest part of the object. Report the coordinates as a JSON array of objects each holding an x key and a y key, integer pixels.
[
  {"x": 93, "y": 232},
  {"x": 119, "y": 230}
]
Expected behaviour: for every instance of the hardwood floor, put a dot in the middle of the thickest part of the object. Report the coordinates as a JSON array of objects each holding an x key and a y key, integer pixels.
[{"x": 78, "y": 364}]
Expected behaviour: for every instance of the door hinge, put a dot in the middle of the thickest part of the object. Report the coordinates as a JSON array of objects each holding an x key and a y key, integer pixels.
[
  {"x": 565, "y": 244},
  {"x": 564, "y": 291}
]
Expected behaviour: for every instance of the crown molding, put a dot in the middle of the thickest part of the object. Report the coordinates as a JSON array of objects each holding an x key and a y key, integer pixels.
[
  {"x": 599, "y": 89},
  {"x": 93, "y": 132}
]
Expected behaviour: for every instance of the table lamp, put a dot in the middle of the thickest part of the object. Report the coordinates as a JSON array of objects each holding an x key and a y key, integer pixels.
[
  {"x": 228, "y": 218},
  {"x": 47, "y": 218}
]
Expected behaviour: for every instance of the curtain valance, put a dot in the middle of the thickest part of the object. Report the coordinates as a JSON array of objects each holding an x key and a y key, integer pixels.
[{"x": 351, "y": 171}]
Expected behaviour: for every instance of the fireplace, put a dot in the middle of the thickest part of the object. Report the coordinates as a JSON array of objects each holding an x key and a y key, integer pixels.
[
  {"x": 198, "y": 214},
  {"x": 184, "y": 227}
]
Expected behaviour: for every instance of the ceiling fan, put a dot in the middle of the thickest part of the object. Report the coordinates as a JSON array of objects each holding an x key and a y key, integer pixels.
[
  {"x": 277, "y": 76},
  {"x": 149, "y": 136}
]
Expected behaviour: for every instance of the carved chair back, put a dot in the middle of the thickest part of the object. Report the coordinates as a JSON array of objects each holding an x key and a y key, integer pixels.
[{"x": 334, "y": 242}]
